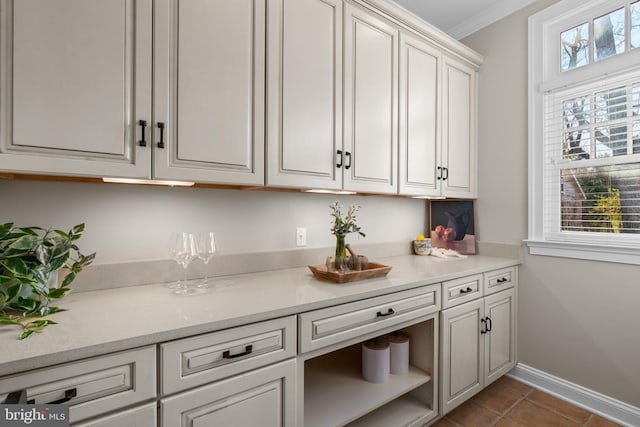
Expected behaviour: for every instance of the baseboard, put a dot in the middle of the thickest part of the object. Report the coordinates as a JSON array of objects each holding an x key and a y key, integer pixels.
[{"x": 590, "y": 400}]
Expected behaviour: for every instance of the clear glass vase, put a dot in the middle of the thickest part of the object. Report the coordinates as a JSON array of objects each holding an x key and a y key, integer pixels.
[{"x": 341, "y": 253}]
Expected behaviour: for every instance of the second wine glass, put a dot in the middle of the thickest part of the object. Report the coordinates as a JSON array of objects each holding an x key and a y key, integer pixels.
[
  {"x": 183, "y": 251},
  {"x": 206, "y": 248}
]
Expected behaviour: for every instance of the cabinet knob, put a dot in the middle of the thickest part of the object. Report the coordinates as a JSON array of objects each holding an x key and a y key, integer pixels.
[{"x": 143, "y": 141}]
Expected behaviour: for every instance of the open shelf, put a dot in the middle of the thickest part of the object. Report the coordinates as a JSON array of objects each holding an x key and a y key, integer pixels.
[
  {"x": 405, "y": 410},
  {"x": 336, "y": 394}
]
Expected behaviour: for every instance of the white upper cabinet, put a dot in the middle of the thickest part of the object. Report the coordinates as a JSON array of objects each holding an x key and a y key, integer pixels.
[
  {"x": 459, "y": 157},
  {"x": 75, "y": 80},
  {"x": 304, "y": 114},
  {"x": 419, "y": 117},
  {"x": 370, "y": 102},
  {"x": 209, "y": 90}
]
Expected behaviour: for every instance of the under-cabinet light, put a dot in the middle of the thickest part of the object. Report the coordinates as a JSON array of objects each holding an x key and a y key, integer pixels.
[
  {"x": 320, "y": 191},
  {"x": 148, "y": 182},
  {"x": 429, "y": 197}
]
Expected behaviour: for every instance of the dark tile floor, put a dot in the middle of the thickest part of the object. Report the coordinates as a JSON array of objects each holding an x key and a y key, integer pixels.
[{"x": 510, "y": 403}]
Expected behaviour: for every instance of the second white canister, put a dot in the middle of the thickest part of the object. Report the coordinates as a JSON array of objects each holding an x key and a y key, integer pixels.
[
  {"x": 375, "y": 361},
  {"x": 398, "y": 353}
]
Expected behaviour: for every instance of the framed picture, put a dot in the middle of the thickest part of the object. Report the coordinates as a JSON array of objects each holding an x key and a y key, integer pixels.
[{"x": 452, "y": 225}]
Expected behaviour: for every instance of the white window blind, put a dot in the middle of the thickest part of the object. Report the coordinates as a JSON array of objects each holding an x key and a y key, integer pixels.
[{"x": 591, "y": 176}]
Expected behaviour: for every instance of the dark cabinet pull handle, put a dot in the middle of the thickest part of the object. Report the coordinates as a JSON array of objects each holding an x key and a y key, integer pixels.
[
  {"x": 161, "y": 127},
  {"x": 446, "y": 174},
  {"x": 502, "y": 280},
  {"x": 143, "y": 141},
  {"x": 16, "y": 398},
  {"x": 348, "y": 165},
  {"x": 339, "y": 164},
  {"x": 483, "y": 328},
  {"x": 466, "y": 291},
  {"x": 388, "y": 313},
  {"x": 439, "y": 177},
  {"x": 488, "y": 324},
  {"x": 247, "y": 350},
  {"x": 68, "y": 395}
]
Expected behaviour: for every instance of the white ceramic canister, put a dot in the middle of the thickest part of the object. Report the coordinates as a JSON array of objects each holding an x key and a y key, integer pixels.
[
  {"x": 399, "y": 353},
  {"x": 375, "y": 361}
]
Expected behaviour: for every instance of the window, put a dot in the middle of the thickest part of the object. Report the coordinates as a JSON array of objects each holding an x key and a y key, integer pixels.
[{"x": 584, "y": 131}]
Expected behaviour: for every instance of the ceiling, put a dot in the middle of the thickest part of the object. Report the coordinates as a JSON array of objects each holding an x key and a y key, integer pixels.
[{"x": 460, "y": 18}]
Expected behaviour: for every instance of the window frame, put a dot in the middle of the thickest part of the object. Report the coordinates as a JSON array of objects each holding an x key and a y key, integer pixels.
[{"x": 545, "y": 76}]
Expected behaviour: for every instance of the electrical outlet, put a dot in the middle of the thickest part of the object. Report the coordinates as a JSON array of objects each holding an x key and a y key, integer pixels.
[{"x": 301, "y": 236}]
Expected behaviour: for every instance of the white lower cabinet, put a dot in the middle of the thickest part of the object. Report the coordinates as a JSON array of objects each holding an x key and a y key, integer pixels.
[
  {"x": 91, "y": 387},
  {"x": 143, "y": 416},
  {"x": 264, "y": 397},
  {"x": 478, "y": 346},
  {"x": 331, "y": 388}
]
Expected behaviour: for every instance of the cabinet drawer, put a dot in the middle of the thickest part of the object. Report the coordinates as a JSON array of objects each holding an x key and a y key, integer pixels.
[
  {"x": 143, "y": 416},
  {"x": 203, "y": 359},
  {"x": 331, "y": 325},
  {"x": 93, "y": 386},
  {"x": 461, "y": 290},
  {"x": 263, "y": 397},
  {"x": 499, "y": 280}
]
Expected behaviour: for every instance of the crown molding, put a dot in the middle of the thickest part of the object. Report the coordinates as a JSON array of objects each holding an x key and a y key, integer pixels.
[{"x": 493, "y": 13}]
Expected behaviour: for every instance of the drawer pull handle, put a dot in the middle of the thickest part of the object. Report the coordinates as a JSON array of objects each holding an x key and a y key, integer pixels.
[
  {"x": 160, "y": 144},
  {"x": 388, "y": 313},
  {"x": 483, "y": 328},
  {"x": 339, "y": 164},
  {"x": 466, "y": 291},
  {"x": 348, "y": 165},
  {"x": 16, "y": 398},
  {"x": 143, "y": 141},
  {"x": 247, "y": 350},
  {"x": 502, "y": 280},
  {"x": 68, "y": 395},
  {"x": 488, "y": 324}
]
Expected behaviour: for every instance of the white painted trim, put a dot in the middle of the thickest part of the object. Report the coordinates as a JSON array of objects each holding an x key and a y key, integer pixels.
[
  {"x": 584, "y": 251},
  {"x": 605, "y": 406},
  {"x": 493, "y": 13}
]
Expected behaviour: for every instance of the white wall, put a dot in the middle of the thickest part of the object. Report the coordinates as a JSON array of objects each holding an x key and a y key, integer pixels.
[
  {"x": 578, "y": 320},
  {"x": 132, "y": 223}
]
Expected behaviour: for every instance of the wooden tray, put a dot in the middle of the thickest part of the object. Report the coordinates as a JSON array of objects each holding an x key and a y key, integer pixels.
[{"x": 373, "y": 270}]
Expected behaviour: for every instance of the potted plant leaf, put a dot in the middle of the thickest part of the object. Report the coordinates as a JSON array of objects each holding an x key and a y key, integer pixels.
[{"x": 30, "y": 258}]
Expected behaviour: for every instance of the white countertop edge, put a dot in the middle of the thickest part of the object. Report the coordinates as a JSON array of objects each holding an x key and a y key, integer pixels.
[{"x": 50, "y": 347}]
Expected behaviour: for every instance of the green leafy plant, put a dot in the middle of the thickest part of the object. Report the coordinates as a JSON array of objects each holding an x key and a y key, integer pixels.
[
  {"x": 343, "y": 226},
  {"x": 28, "y": 258}
]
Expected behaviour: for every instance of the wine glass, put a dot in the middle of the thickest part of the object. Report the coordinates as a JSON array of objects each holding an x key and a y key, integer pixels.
[
  {"x": 182, "y": 250},
  {"x": 206, "y": 248}
]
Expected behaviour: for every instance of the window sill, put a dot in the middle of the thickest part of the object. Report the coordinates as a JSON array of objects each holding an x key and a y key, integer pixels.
[{"x": 584, "y": 251}]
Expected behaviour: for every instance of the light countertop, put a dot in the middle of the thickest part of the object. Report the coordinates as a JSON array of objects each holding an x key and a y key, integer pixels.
[{"x": 99, "y": 322}]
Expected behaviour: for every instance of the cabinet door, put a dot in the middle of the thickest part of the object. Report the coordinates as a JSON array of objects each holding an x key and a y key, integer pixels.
[
  {"x": 75, "y": 79},
  {"x": 462, "y": 354},
  {"x": 459, "y": 156},
  {"x": 419, "y": 116},
  {"x": 304, "y": 114},
  {"x": 144, "y": 416},
  {"x": 209, "y": 90},
  {"x": 500, "y": 340},
  {"x": 264, "y": 397},
  {"x": 370, "y": 102}
]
